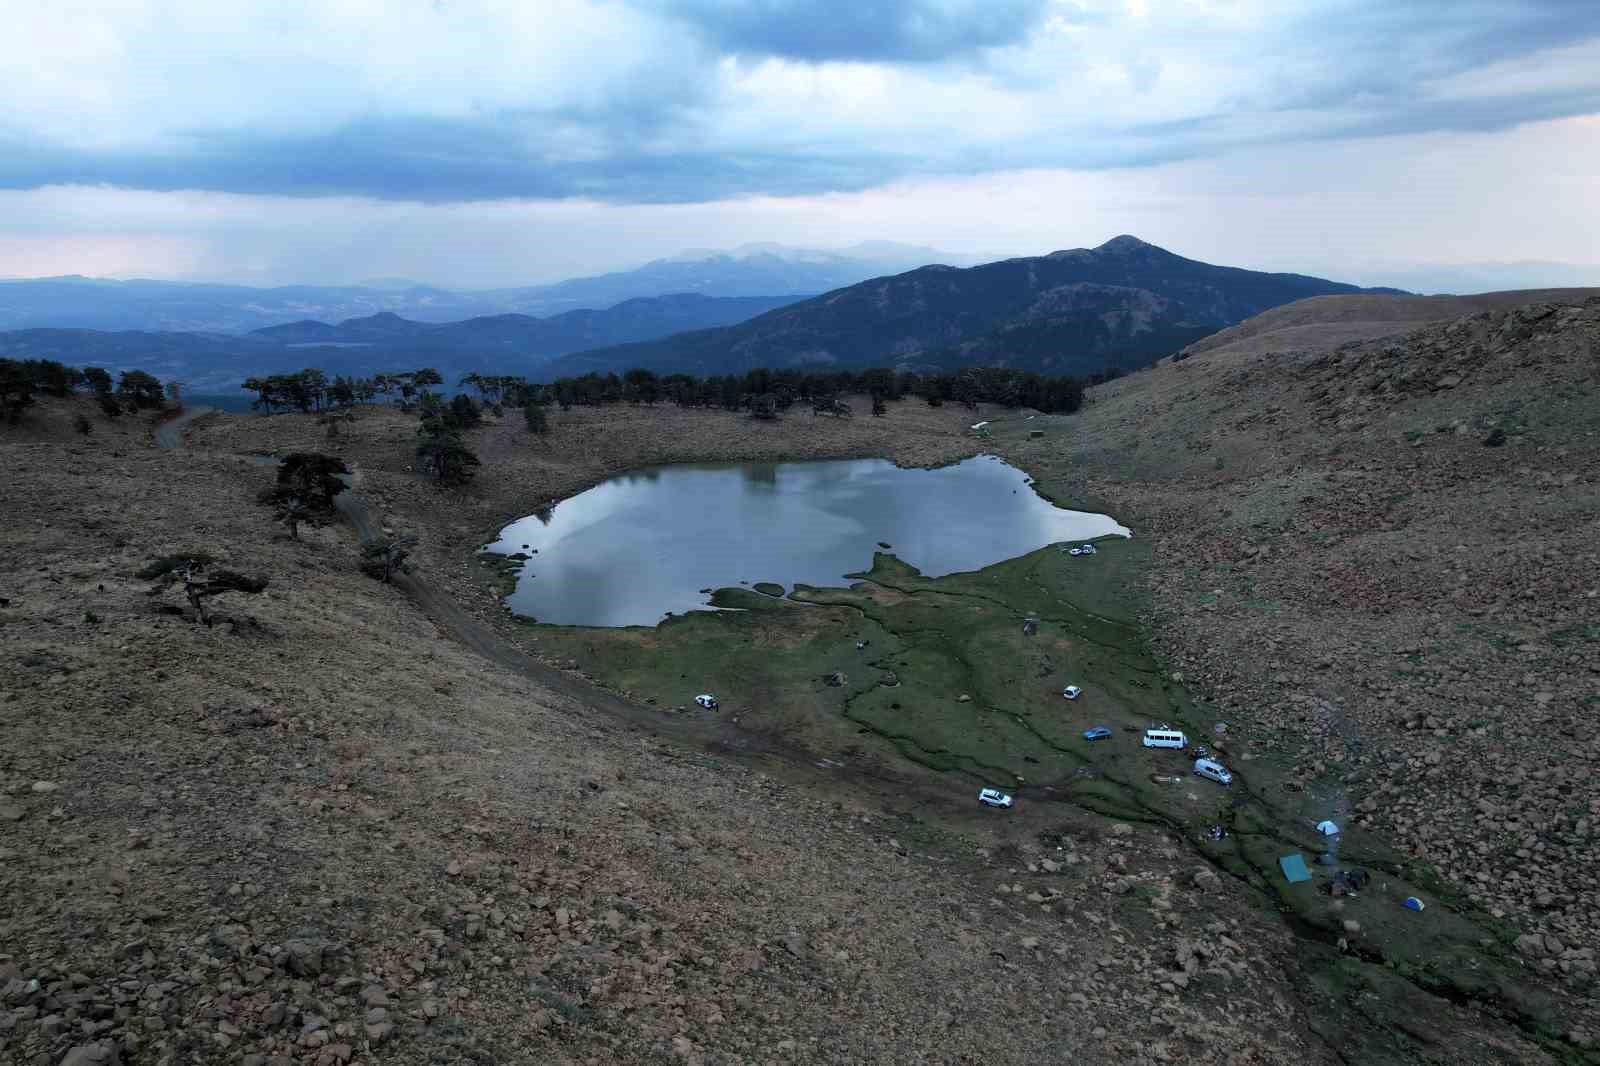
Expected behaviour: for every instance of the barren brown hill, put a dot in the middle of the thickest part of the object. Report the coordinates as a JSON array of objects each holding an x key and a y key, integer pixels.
[
  {"x": 341, "y": 826},
  {"x": 1379, "y": 558},
  {"x": 326, "y": 830},
  {"x": 1327, "y": 321}
]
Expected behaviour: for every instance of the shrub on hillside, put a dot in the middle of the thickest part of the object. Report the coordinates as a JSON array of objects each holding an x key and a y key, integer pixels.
[
  {"x": 139, "y": 389},
  {"x": 447, "y": 458},
  {"x": 305, "y": 489},
  {"x": 200, "y": 583},
  {"x": 383, "y": 557},
  {"x": 16, "y": 389},
  {"x": 533, "y": 414},
  {"x": 465, "y": 411},
  {"x": 165, "y": 564}
]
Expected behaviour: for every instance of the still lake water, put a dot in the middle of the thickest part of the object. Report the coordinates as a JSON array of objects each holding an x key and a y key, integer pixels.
[{"x": 634, "y": 548}]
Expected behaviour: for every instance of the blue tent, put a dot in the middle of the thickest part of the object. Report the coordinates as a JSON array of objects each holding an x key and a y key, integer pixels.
[{"x": 1294, "y": 868}]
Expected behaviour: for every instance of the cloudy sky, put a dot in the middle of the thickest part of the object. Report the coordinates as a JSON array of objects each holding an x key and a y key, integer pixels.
[{"x": 490, "y": 142}]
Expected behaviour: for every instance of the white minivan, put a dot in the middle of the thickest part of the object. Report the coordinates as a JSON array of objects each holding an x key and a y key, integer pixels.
[
  {"x": 1214, "y": 770},
  {"x": 1165, "y": 738}
]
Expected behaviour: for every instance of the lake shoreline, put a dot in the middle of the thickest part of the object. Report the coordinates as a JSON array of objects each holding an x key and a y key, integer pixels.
[{"x": 810, "y": 522}]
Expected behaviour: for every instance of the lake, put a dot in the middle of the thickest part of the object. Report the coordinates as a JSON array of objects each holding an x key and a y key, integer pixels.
[{"x": 631, "y": 550}]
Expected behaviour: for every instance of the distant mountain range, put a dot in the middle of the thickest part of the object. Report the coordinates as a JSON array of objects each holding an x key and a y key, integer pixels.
[
  {"x": 502, "y": 344},
  {"x": 1070, "y": 312},
  {"x": 184, "y": 307},
  {"x": 749, "y": 270},
  {"x": 758, "y": 270}
]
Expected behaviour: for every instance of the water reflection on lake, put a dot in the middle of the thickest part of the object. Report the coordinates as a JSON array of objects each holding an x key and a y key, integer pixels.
[{"x": 630, "y": 550}]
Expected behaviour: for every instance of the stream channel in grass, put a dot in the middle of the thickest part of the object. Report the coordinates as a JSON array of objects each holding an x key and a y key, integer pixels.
[{"x": 925, "y": 622}]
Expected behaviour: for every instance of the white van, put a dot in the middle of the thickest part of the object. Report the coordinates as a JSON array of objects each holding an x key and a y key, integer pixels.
[
  {"x": 1165, "y": 738},
  {"x": 1214, "y": 770}
]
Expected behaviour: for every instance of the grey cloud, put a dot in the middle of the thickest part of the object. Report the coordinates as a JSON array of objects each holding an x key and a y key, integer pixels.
[
  {"x": 876, "y": 30},
  {"x": 651, "y": 144},
  {"x": 1384, "y": 51},
  {"x": 435, "y": 162}
]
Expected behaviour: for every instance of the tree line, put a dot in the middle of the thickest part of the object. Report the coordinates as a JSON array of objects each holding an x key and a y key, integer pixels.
[
  {"x": 766, "y": 392},
  {"x": 763, "y": 392},
  {"x": 23, "y": 379},
  {"x": 310, "y": 389}
]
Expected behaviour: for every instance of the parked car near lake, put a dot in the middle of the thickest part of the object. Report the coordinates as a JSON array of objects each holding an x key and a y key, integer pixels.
[
  {"x": 993, "y": 797},
  {"x": 1099, "y": 732},
  {"x": 1213, "y": 770},
  {"x": 1165, "y": 737}
]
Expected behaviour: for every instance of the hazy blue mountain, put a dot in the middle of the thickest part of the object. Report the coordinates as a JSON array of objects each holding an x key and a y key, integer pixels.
[
  {"x": 750, "y": 270},
  {"x": 765, "y": 270},
  {"x": 97, "y": 303},
  {"x": 1070, "y": 312},
  {"x": 503, "y": 344}
]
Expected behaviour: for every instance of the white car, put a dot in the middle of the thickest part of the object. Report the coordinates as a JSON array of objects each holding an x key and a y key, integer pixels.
[
  {"x": 706, "y": 700},
  {"x": 1214, "y": 770},
  {"x": 993, "y": 797},
  {"x": 1071, "y": 692}
]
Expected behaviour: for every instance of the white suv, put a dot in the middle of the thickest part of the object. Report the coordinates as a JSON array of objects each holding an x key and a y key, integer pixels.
[
  {"x": 993, "y": 797},
  {"x": 706, "y": 700}
]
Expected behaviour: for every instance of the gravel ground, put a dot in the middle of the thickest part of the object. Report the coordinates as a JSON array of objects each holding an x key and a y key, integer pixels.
[
  {"x": 320, "y": 831},
  {"x": 1381, "y": 557}
]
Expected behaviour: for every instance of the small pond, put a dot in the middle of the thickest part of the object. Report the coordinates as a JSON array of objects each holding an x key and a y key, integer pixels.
[{"x": 631, "y": 550}]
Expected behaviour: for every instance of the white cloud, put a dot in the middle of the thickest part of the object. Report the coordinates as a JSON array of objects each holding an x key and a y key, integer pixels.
[{"x": 1337, "y": 208}]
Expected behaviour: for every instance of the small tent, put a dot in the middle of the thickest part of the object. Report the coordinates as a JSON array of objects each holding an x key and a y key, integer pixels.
[
  {"x": 1294, "y": 868},
  {"x": 1327, "y": 829}
]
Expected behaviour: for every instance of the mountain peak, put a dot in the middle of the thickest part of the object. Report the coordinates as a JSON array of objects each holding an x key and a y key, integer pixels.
[
  {"x": 1076, "y": 311},
  {"x": 1125, "y": 243}
]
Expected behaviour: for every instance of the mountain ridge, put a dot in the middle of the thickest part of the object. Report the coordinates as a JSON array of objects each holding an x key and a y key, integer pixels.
[
  {"x": 503, "y": 343},
  {"x": 766, "y": 270},
  {"x": 1072, "y": 311}
]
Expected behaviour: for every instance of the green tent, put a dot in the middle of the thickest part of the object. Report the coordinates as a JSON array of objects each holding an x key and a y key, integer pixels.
[{"x": 1294, "y": 868}]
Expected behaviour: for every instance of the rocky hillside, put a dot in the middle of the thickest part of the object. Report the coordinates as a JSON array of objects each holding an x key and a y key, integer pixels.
[
  {"x": 1377, "y": 556},
  {"x": 324, "y": 831},
  {"x": 1326, "y": 321},
  {"x": 1070, "y": 312}
]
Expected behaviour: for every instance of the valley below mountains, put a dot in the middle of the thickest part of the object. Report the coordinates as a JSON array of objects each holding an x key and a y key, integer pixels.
[
  {"x": 503, "y": 344},
  {"x": 363, "y": 821},
  {"x": 1076, "y": 313}
]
